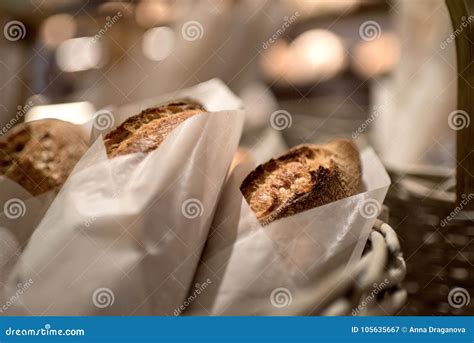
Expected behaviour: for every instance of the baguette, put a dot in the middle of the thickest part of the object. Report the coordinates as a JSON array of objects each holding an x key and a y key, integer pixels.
[
  {"x": 145, "y": 131},
  {"x": 305, "y": 177},
  {"x": 39, "y": 155}
]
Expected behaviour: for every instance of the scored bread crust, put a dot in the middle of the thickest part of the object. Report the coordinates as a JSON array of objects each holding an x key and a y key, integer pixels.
[
  {"x": 305, "y": 177},
  {"x": 145, "y": 131},
  {"x": 39, "y": 155}
]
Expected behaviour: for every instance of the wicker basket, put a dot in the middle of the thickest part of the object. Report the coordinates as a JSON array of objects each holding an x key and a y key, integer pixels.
[
  {"x": 370, "y": 287},
  {"x": 432, "y": 211},
  {"x": 439, "y": 248}
]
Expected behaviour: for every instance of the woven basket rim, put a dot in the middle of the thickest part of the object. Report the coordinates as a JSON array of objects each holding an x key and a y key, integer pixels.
[{"x": 346, "y": 290}]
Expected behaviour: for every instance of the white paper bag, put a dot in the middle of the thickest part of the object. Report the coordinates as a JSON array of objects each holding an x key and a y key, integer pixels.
[
  {"x": 20, "y": 213},
  {"x": 124, "y": 235},
  {"x": 246, "y": 267}
]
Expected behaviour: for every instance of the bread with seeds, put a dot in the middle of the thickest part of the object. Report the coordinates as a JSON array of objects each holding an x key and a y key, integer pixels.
[
  {"x": 39, "y": 155},
  {"x": 145, "y": 131},
  {"x": 305, "y": 177}
]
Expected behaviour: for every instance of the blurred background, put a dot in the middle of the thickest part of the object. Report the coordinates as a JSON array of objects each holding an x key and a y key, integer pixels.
[{"x": 382, "y": 72}]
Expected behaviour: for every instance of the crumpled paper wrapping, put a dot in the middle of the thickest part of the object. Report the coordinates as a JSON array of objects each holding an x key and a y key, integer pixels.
[
  {"x": 124, "y": 236},
  {"x": 255, "y": 270},
  {"x": 20, "y": 213}
]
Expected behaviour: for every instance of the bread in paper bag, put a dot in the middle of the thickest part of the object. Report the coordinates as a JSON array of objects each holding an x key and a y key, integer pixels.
[
  {"x": 305, "y": 177},
  {"x": 263, "y": 270},
  {"x": 129, "y": 227}
]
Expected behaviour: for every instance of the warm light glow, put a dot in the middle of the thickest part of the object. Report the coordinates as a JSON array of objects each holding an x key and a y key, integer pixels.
[
  {"x": 151, "y": 13},
  {"x": 112, "y": 7},
  {"x": 158, "y": 43},
  {"x": 275, "y": 60},
  {"x": 74, "y": 112},
  {"x": 313, "y": 56},
  {"x": 79, "y": 54},
  {"x": 309, "y": 8},
  {"x": 57, "y": 29},
  {"x": 376, "y": 57},
  {"x": 316, "y": 55}
]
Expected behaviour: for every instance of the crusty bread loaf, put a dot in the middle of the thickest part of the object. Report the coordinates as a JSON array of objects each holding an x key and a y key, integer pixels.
[
  {"x": 305, "y": 177},
  {"x": 145, "y": 131},
  {"x": 39, "y": 155}
]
